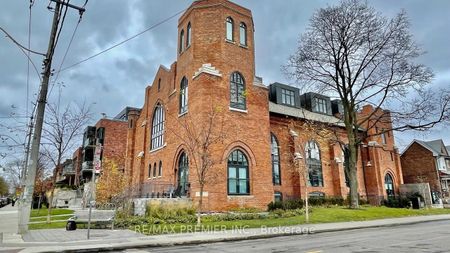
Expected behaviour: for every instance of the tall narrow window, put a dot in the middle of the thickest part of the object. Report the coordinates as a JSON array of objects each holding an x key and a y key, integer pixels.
[
  {"x": 157, "y": 139},
  {"x": 389, "y": 185},
  {"x": 160, "y": 169},
  {"x": 314, "y": 163},
  {"x": 159, "y": 84},
  {"x": 230, "y": 25},
  {"x": 154, "y": 170},
  {"x": 149, "y": 170},
  {"x": 346, "y": 165},
  {"x": 181, "y": 49},
  {"x": 383, "y": 136},
  {"x": 238, "y": 180},
  {"x": 188, "y": 35},
  {"x": 243, "y": 34},
  {"x": 183, "y": 175},
  {"x": 275, "y": 150},
  {"x": 183, "y": 95},
  {"x": 237, "y": 91}
]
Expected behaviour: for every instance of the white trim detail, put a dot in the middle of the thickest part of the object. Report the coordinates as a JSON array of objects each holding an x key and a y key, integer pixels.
[
  {"x": 207, "y": 69},
  {"x": 141, "y": 154},
  {"x": 237, "y": 110}
]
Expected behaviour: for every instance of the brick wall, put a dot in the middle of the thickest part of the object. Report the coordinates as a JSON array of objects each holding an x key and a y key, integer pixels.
[{"x": 419, "y": 166}]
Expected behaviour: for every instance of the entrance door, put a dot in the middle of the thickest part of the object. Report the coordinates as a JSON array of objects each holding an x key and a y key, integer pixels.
[{"x": 183, "y": 174}]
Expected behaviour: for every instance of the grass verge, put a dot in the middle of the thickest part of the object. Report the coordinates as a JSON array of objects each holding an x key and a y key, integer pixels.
[
  {"x": 55, "y": 211},
  {"x": 318, "y": 215}
]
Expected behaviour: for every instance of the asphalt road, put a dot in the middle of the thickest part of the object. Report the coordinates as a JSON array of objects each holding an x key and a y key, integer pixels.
[{"x": 422, "y": 237}]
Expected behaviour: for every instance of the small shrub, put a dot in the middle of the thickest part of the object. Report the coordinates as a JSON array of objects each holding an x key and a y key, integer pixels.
[{"x": 285, "y": 205}]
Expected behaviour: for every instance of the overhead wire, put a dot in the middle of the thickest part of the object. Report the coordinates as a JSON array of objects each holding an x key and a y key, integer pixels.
[{"x": 123, "y": 41}]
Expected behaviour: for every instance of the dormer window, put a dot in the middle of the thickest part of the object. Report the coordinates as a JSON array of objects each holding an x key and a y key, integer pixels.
[
  {"x": 320, "y": 105},
  {"x": 287, "y": 97},
  {"x": 230, "y": 25},
  {"x": 243, "y": 34}
]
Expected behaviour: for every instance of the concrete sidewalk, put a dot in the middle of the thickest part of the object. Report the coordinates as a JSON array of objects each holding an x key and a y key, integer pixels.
[{"x": 123, "y": 239}]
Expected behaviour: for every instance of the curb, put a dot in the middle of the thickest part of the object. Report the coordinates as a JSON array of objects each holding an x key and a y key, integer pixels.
[{"x": 140, "y": 245}]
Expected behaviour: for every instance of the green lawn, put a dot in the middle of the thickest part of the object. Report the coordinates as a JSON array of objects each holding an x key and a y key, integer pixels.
[
  {"x": 318, "y": 215},
  {"x": 44, "y": 218},
  {"x": 55, "y": 211}
]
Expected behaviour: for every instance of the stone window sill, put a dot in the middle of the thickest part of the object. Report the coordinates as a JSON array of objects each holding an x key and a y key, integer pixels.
[{"x": 238, "y": 110}]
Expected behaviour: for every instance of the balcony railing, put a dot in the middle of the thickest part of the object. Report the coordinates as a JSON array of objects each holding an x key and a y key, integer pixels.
[{"x": 158, "y": 190}]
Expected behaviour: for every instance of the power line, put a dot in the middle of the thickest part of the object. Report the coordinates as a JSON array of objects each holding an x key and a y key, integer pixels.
[
  {"x": 65, "y": 55},
  {"x": 18, "y": 44},
  {"x": 123, "y": 41}
]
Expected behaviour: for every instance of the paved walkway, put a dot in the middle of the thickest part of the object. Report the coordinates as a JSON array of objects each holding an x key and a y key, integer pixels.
[
  {"x": 61, "y": 240},
  {"x": 9, "y": 217}
]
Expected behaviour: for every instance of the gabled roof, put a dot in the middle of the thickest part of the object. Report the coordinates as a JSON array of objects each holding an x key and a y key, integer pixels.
[
  {"x": 436, "y": 147},
  {"x": 448, "y": 149}
]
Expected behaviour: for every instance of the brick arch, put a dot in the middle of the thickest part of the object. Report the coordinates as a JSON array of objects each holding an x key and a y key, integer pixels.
[
  {"x": 243, "y": 147},
  {"x": 180, "y": 149}
]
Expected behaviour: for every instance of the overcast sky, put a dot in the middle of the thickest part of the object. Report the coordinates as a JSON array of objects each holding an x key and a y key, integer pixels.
[{"x": 118, "y": 78}]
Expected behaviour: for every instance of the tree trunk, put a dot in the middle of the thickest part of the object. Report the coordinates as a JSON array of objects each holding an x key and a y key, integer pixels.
[
  {"x": 200, "y": 206},
  {"x": 352, "y": 174}
]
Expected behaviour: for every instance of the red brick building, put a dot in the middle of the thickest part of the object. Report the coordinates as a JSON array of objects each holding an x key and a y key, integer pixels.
[
  {"x": 215, "y": 70},
  {"x": 428, "y": 162}
]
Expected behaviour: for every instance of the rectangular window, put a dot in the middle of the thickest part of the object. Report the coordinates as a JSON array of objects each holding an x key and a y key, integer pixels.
[
  {"x": 278, "y": 196},
  {"x": 320, "y": 105},
  {"x": 287, "y": 97},
  {"x": 383, "y": 137}
]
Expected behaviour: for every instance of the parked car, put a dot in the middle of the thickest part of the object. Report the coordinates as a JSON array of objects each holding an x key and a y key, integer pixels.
[{"x": 3, "y": 202}]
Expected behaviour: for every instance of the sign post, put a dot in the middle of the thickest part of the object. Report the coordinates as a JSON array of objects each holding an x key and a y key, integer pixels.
[{"x": 95, "y": 170}]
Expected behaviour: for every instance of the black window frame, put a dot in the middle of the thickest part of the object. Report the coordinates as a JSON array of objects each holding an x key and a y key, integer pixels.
[
  {"x": 183, "y": 103},
  {"x": 158, "y": 125},
  {"x": 238, "y": 98},
  {"x": 389, "y": 180},
  {"x": 320, "y": 105},
  {"x": 238, "y": 160},
  {"x": 315, "y": 168},
  {"x": 275, "y": 155},
  {"x": 287, "y": 97},
  {"x": 154, "y": 170}
]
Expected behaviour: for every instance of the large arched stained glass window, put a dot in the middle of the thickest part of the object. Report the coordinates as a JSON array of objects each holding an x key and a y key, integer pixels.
[
  {"x": 237, "y": 91},
  {"x": 389, "y": 185},
  {"x": 314, "y": 162},
  {"x": 157, "y": 139},
  {"x": 275, "y": 151},
  {"x": 183, "y": 96},
  {"x": 238, "y": 179}
]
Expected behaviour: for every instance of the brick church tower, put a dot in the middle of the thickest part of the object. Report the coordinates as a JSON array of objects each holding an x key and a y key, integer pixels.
[{"x": 215, "y": 70}]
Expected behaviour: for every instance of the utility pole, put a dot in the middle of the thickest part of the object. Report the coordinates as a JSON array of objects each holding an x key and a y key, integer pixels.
[{"x": 25, "y": 206}]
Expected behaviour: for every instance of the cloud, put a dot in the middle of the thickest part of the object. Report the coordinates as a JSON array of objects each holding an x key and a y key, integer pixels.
[{"x": 118, "y": 77}]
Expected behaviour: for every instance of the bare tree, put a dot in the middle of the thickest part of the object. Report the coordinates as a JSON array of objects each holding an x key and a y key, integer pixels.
[
  {"x": 13, "y": 171},
  {"x": 61, "y": 129},
  {"x": 198, "y": 139},
  {"x": 353, "y": 52}
]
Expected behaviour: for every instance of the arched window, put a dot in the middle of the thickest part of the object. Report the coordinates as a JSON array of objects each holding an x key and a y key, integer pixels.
[
  {"x": 243, "y": 34},
  {"x": 237, "y": 91},
  {"x": 188, "y": 35},
  {"x": 230, "y": 25},
  {"x": 154, "y": 170},
  {"x": 158, "y": 127},
  {"x": 183, "y": 95},
  {"x": 314, "y": 163},
  {"x": 389, "y": 185},
  {"x": 238, "y": 180},
  {"x": 181, "y": 49},
  {"x": 183, "y": 175},
  {"x": 149, "y": 170},
  {"x": 160, "y": 169},
  {"x": 275, "y": 151}
]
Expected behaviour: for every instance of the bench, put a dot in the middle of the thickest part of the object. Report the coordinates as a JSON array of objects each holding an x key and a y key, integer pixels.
[{"x": 98, "y": 217}]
